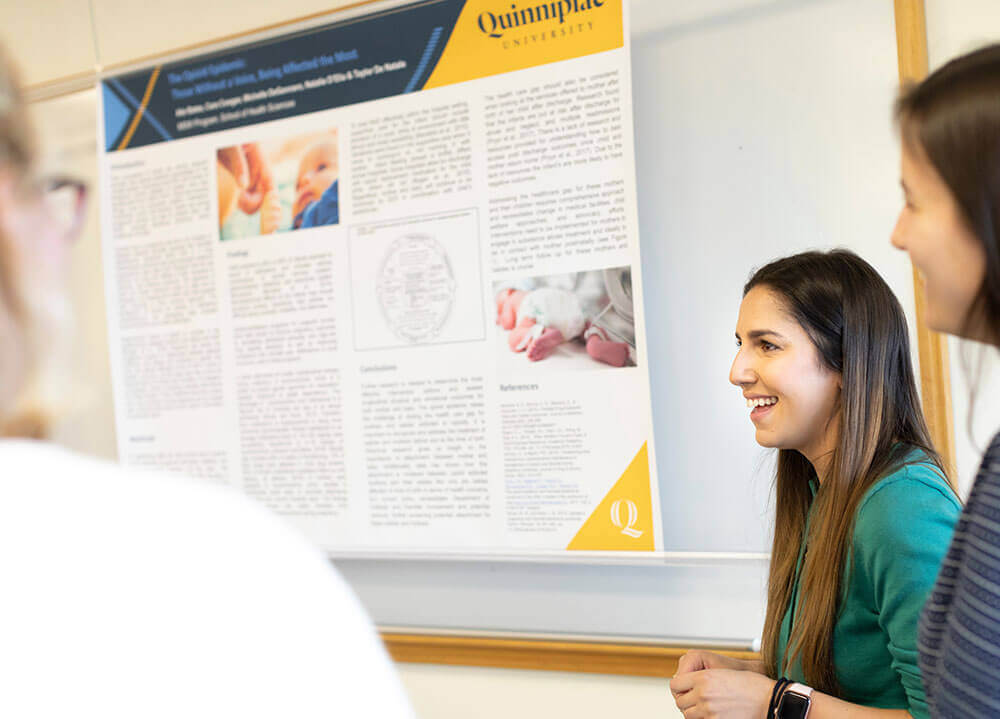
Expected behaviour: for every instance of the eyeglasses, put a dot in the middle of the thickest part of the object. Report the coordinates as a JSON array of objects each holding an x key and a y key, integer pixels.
[{"x": 66, "y": 203}]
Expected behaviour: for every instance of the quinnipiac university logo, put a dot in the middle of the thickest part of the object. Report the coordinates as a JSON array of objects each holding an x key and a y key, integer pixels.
[
  {"x": 626, "y": 523},
  {"x": 567, "y": 12}
]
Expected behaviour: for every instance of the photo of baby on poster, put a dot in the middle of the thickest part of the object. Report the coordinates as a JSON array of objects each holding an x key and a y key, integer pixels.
[
  {"x": 576, "y": 320},
  {"x": 278, "y": 186}
]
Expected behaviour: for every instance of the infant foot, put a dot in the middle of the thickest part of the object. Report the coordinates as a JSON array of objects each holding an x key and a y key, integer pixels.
[
  {"x": 516, "y": 338},
  {"x": 612, "y": 353},
  {"x": 501, "y": 300},
  {"x": 508, "y": 311},
  {"x": 545, "y": 344}
]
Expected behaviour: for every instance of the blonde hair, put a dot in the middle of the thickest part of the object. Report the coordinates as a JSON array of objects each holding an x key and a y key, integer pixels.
[{"x": 22, "y": 412}]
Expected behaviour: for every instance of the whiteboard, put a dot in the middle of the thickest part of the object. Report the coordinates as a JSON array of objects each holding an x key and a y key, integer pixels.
[{"x": 762, "y": 128}]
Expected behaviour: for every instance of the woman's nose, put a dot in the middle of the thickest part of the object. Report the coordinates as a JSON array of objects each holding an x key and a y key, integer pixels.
[
  {"x": 897, "y": 238},
  {"x": 741, "y": 372}
]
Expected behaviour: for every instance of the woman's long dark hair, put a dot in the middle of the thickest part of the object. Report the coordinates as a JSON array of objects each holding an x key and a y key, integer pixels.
[
  {"x": 953, "y": 119},
  {"x": 859, "y": 331}
]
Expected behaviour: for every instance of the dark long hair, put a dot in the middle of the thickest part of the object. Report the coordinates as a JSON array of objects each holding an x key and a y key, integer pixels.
[
  {"x": 953, "y": 119},
  {"x": 859, "y": 331}
]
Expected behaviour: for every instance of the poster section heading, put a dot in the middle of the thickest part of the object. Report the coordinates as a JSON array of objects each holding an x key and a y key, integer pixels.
[{"x": 353, "y": 61}]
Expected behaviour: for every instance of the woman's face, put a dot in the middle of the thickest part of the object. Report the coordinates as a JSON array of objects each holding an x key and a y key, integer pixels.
[
  {"x": 317, "y": 171},
  {"x": 949, "y": 259},
  {"x": 35, "y": 251},
  {"x": 37, "y": 240},
  {"x": 778, "y": 368}
]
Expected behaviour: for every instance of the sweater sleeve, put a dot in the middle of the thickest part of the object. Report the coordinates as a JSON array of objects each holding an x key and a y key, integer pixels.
[
  {"x": 325, "y": 210},
  {"x": 902, "y": 533}
]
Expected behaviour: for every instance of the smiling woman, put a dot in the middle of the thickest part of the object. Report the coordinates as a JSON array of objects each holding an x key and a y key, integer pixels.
[
  {"x": 864, "y": 512},
  {"x": 950, "y": 226},
  {"x": 781, "y": 363}
]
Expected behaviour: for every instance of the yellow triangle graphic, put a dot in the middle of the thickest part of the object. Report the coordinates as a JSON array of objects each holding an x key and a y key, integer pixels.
[{"x": 624, "y": 518}]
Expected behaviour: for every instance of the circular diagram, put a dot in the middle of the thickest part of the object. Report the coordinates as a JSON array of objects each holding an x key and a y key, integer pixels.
[{"x": 415, "y": 287}]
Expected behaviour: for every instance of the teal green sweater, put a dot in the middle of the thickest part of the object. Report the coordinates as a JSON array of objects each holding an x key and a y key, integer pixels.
[{"x": 901, "y": 533}]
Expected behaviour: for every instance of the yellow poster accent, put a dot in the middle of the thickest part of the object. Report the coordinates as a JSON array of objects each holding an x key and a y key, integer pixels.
[
  {"x": 496, "y": 36},
  {"x": 624, "y": 518},
  {"x": 142, "y": 108}
]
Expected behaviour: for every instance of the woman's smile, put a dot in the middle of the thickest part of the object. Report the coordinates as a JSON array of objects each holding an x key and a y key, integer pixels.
[{"x": 761, "y": 406}]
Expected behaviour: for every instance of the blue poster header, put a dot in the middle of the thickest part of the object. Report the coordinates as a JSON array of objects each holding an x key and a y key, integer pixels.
[{"x": 352, "y": 61}]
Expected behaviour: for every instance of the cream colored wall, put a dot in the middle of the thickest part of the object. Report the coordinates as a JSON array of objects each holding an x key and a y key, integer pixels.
[
  {"x": 50, "y": 38},
  {"x": 473, "y": 693},
  {"x": 56, "y": 38}
]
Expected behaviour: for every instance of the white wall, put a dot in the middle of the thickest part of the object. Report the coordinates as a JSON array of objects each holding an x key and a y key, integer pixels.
[{"x": 762, "y": 129}]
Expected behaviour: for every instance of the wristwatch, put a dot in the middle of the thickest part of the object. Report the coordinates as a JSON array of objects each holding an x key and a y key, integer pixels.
[{"x": 794, "y": 702}]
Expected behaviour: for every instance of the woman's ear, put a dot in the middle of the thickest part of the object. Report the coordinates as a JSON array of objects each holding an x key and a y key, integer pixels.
[
  {"x": 8, "y": 208},
  {"x": 8, "y": 184}
]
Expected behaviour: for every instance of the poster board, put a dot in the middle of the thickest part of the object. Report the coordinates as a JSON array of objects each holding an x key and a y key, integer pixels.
[{"x": 393, "y": 263}]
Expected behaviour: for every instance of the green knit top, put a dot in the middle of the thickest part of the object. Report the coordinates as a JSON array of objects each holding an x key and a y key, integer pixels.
[{"x": 902, "y": 530}]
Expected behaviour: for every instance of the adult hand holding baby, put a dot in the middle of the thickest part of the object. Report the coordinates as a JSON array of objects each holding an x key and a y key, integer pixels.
[
  {"x": 260, "y": 180},
  {"x": 247, "y": 165},
  {"x": 233, "y": 159}
]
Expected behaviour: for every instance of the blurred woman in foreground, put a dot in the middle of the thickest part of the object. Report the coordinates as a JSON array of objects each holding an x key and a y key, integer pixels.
[{"x": 125, "y": 594}]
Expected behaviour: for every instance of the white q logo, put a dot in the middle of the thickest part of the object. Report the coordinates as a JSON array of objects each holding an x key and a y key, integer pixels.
[{"x": 628, "y": 527}]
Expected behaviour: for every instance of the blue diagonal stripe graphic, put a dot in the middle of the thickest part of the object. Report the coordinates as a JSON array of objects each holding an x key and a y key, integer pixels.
[
  {"x": 432, "y": 42},
  {"x": 116, "y": 116},
  {"x": 147, "y": 115}
]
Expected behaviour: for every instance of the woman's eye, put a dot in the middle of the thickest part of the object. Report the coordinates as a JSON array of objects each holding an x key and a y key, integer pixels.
[
  {"x": 767, "y": 346},
  {"x": 322, "y": 166}
]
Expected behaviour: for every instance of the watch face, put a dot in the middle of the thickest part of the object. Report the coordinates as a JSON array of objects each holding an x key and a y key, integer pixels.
[{"x": 792, "y": 706}]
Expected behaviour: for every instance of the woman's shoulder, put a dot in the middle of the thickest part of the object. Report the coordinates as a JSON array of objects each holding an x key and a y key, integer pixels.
[
  {"x": 48, "y": 491},
  {"x": 914, "y": 489},
  {"x": 163, "y": 564}
]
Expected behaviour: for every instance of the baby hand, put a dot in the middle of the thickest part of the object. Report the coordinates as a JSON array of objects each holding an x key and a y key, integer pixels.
[{"x": 270, "y": 213}]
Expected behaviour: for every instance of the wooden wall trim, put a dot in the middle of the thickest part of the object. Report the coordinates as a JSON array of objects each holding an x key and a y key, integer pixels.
[
  {"x": 935, "y": 373},
  {"x": 59, "y": 86},
  {"x": 222, "y": 41},
  {"x": 644, "y": 660}
]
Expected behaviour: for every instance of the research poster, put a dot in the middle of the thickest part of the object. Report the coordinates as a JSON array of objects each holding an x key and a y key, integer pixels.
[{"x": 383, "y": 276}]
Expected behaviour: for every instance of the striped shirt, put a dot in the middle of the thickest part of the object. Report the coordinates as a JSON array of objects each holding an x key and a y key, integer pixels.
[{"x": 959, "y": 638}]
